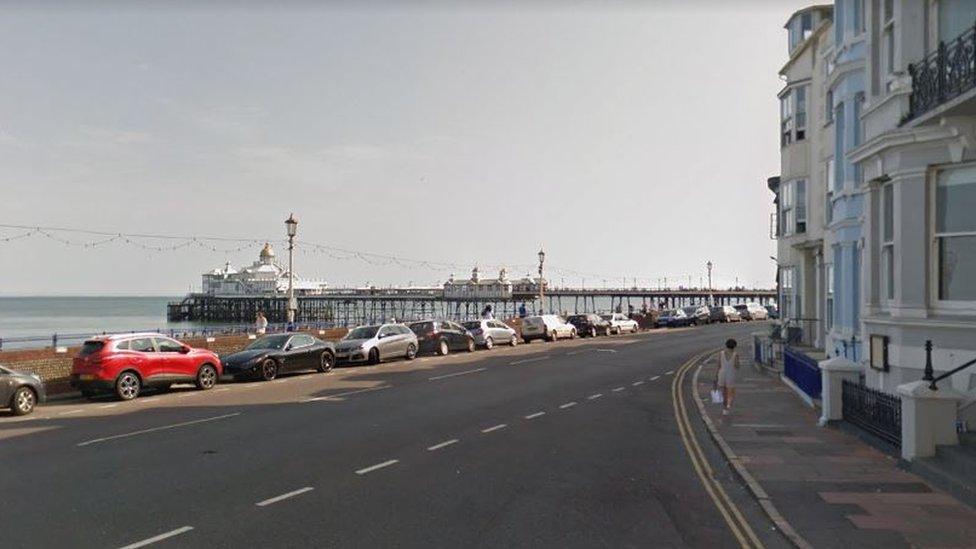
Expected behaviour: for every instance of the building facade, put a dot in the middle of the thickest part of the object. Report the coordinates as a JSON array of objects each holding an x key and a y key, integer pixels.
[
  {"x": 263, "y": 277},
  {"x": 891, "y": 262},
  {"x": 501, "y": 288}
]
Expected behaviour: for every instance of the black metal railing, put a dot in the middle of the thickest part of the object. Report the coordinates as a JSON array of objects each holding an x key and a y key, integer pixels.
[
  {"x": 929, "y": 374},
  {"x": 944, "y": 74},
  {"x": 874, "y": 411}
]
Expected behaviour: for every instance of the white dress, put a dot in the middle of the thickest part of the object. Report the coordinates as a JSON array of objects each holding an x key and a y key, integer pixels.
[{"x": 726, "y": 369}]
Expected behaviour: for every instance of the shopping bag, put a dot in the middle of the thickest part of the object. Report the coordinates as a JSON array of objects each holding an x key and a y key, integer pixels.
[{"x": 716, "y": 396}]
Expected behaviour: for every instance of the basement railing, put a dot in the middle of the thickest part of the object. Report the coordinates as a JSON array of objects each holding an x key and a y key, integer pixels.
[{"x": 930, "y": 372}]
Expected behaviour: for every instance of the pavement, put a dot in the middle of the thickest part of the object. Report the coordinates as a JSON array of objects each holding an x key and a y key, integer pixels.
[
  {"x": 568, "y": 444},
  {"x": 833, "y": 489}
]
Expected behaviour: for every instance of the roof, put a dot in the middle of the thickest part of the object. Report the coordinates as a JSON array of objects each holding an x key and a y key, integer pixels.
[
  {"x": 808, "y": 9},
  {"x": 113, "y": 337}
]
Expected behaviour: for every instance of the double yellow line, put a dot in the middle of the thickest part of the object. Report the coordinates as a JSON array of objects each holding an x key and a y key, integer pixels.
[{"x": 733, "y": 517}]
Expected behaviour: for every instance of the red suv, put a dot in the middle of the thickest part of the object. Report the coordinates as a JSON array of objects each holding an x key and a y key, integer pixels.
[{"x": 123, "y": 364}]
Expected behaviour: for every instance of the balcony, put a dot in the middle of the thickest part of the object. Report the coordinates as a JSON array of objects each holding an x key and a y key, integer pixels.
[{"x": 943, "y": 75}]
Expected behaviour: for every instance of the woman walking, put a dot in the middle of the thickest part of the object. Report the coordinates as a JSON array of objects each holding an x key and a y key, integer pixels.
[{"x": 728, "y": 363}]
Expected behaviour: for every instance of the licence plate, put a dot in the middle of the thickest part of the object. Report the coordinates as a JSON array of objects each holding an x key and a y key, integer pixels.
[{"x": 86, "y": 377}]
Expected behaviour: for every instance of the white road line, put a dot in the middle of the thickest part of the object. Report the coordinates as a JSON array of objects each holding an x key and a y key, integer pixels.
[
  {"x": 466, "y": 372},
  {"x": 222, "y": 389},
  {"x": 535, "y": 415},
  {"x": 372, "y": 468},
  {"x": 637, "y": 383},
  {"x": 104, "y": 406},
  {"x": 69, "y": 412},
  {"x": 655, "y": 378},
  {"x": 160, "y": 537},
  {"x": 154, "y": 429},
  {"x": 495, "y": 428},
  {"x": 148, "y": 400},
  {"x": 669, "y": 372},
  {"x": 606, "y": 350},
  {"x": 291, "y": 494},
  {"x": 571, "y": 353},
  {"x": 594, "y": 397},
  {"x": 337, "y": 395},
  {"x": 444, "y": 444},
  {"x": 528, "y": 360},
  {"x": 618, "y": 389},
  {"x": 567, "y": 405}
]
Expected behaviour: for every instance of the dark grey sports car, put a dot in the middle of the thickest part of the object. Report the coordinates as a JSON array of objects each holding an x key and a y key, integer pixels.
[
  {"x": 19, "y": 391},
  {"x": 271, "y": 355}
]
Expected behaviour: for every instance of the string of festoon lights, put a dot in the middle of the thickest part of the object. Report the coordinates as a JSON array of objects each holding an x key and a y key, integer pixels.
[{"x": 163, "y": 243}]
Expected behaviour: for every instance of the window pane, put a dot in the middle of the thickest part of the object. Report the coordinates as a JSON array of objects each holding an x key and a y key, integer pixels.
[
  {"x": 801, "y": 200},
  {"x": 955, "y": 201},
  {"x": 888, "y": 258},
  {"x": 888, "y": 198},
  {"x": 955, "y": 18},
  {"x": 957, "y": 268}
]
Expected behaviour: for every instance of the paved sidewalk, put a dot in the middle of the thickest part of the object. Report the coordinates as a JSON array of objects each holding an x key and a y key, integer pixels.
[{"x": 834, "y": 489}]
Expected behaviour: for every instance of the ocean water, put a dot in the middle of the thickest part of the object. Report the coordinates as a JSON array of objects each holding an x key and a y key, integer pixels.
[{"x": 43, "y": 316}]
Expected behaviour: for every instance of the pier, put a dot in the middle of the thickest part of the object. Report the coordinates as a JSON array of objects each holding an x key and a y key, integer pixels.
[{"x": 357, "y": 306}]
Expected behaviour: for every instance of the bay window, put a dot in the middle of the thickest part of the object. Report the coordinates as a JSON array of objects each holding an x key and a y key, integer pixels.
[
  {"x": 793, "y": 207},
  {"x": 793, "y": 115},
  {"x": 955, "y": 234},
  {"x": 787, "y": 298}
]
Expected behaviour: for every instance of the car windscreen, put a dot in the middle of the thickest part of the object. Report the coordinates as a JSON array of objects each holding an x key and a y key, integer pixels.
[
  {"x": 577, "y": 318},
  {"x": 275, "y": 342},
  {"x": 606, "y": 317},
  {"x": 91, "y": 347},
  {"x": 472, "y": 325},
  {"x": 422, "y": 327},
  {"x": 690, "y": 310},
  {"x": 363, "y": 332}
]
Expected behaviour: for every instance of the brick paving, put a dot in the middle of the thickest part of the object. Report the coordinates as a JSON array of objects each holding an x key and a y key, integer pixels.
[{"x": 833, "y": 488}]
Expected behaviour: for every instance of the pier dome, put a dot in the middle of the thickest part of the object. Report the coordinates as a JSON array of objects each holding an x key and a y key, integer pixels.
[{"x": 267, "y": 253}]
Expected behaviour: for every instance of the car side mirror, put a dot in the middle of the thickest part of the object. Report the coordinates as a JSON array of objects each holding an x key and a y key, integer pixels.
[
  {"x": 184, "y": 349},
  {"x": 288, "y": 347}
]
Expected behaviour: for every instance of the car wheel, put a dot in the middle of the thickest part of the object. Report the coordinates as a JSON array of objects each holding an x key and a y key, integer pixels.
[
  {"x": 636, "y": 329},
  {"x": 23, "y": 401},
  {"x": 411, "y": 352},
  {"x": 470, "y": 345},
  {"x": 489, "y": 343},
  {"x": 127, "y": 386},
  {"x": 206, "y": 377},
  {"x": 374, "y": 356},
  {"x": 326, "y": 362},
  {"x": 592, "y": 331},
  {"x": 269, "y": 369},
  {"x": 607, "y": 331},
  {"x": 514, "y": 341},
  {"x": 443, "y": 348},
  {"x": 552, "y": 335},
  {"x": 572, "y": 334}
]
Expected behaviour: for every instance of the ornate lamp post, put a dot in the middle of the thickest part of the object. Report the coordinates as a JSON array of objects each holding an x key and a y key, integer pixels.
[
  {"x": 291, "y": 224},
  {"x": 542, "y": 259},
  {"x": 711, "y": 298}
]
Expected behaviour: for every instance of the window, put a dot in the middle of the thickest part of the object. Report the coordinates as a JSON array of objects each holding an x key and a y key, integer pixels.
[
  {"x": 955, "y": 18},
  {"x": 858, "y": 17},
  {"x": 801, "y": 113},
  {"x": 829, "y": 107},
  {"x": 787, "y": 298},
  {"x": 793, "y": 207},
  {"x": 888, "y": 241},
  {"x": 168, "y": 345},
  {"x": 801, "y": 206},
  {"x": 858, "y": 105},
  {"x": 786, "y": 117},
  {"x": 829, "y": 291},
  {"x": 787, "y": 212},
  {"x": 888, "y": 38},
  {"x": 143, "y": 345},
  {"x": 955, "y": 232},
  {"x": 829, "y": 207},
  {"x": 839, "y": 150}
]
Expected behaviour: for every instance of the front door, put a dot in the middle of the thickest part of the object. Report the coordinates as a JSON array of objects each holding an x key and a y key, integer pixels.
[{"x": 175, "y": 366}]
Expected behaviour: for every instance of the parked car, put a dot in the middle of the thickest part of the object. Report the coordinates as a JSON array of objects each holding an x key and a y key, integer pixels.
[
  {"x": 125, "y": 364},
  {"x": 724, "y": 313},
  {"x": 550, "y": 327},
  {"x": 664, "y": 317},
  {"x": 19, "y": 391},
  {"x": 489, "y": 332},
  {"x": 377, "y": 343},
  {"x": 679, "y": 318},
  {"x": 772, "y": 311},
  {"x": 699, "y": 314},
  {"x": 752, "y": 311},
  {"x": 620, "y": 323},
  {"x": 442, "y": 337},
  {"x": 591, "y": 325},
  {"x": 743, "y": 311},
  {"x": 266, "y": 357}
]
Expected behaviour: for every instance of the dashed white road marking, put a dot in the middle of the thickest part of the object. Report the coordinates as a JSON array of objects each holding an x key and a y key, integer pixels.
[
  {"x": 523, "y": 361},
  {"x": 637, "y": 383},
  {"x": 567, "y": 405},
  {"x": 372, "y": 468},
  {"x": 291, "y": 494},
  {"x": 466, "y": 372},
  {"x": 104, "y": 406},
  {"x": 655, "y": 378},
  {"x": 618, "y": 389},
  {"x": 606, "y": 350},
  {"x": 535, "y": 415},
  {"x": 337, "y": 395},
  {"x": 148, "y": 400},
  {"x": 160, "y": 537},
  {"x": 594, "y": 397},
  {"x": 669, "y": 372},
  {"x": 222, "y": 389},
  {"x": 154, "y": 429},
  {"x": 444, "y": 444},
  {"x": 69, "y": 412},
  {"x": 494, "y": 428}
]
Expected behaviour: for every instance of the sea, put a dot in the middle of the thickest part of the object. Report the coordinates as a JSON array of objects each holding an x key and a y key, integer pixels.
[{"x": 39, "y": 318}]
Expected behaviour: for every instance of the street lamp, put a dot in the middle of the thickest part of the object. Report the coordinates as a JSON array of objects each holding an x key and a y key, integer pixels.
[
  {"x": 711, "y": 297},
  {"x": 291, "y": 224},
  {"x": 542, "y": 259}
]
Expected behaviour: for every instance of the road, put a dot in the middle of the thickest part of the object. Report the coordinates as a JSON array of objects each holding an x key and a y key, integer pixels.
[{"x": 569, "y": 444}]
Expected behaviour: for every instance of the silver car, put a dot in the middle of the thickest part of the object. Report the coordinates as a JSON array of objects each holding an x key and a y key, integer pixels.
[
  {"x": 489, "y": 332},
  {"x": 19, "y": 391},
  {"x": 374, "y": 344}
]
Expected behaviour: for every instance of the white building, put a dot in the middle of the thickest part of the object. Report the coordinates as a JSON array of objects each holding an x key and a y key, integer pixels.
[
  {"x": 263, "y": 277},
  {"x": 500, "y": 288}
]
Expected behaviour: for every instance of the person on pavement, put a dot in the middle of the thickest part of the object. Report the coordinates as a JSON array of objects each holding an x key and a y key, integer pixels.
[
  {"x": 261, "y": 324},
  {"x": 487, "y": 314},
  {"x": 728, "y": 364}
]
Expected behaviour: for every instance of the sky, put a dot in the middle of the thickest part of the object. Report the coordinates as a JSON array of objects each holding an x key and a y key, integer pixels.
[{"x": 629, "y": 140}]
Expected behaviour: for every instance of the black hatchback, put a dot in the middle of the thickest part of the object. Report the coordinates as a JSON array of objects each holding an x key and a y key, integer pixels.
[
  {"x": 590, "y": 325},
  {"x": 442, "y": 337}
]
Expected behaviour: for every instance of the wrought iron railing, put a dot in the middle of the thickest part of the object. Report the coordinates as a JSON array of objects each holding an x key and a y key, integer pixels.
[
  {"x": 929, "y": 373},
  {"x": 944, "y": 74},
  {"x": 874, "y": 411},
  {"x": 803, "y": 371}
]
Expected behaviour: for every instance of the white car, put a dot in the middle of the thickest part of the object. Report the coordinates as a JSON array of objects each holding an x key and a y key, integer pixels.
[
  {"x": 549, "y": 327},
  {"x": 757, "y": 311},
  {"x": 620, "y": 323}
]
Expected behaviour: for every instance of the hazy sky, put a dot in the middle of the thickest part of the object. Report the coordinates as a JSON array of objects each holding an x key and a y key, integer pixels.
[{"x": 628, "y": 139}]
